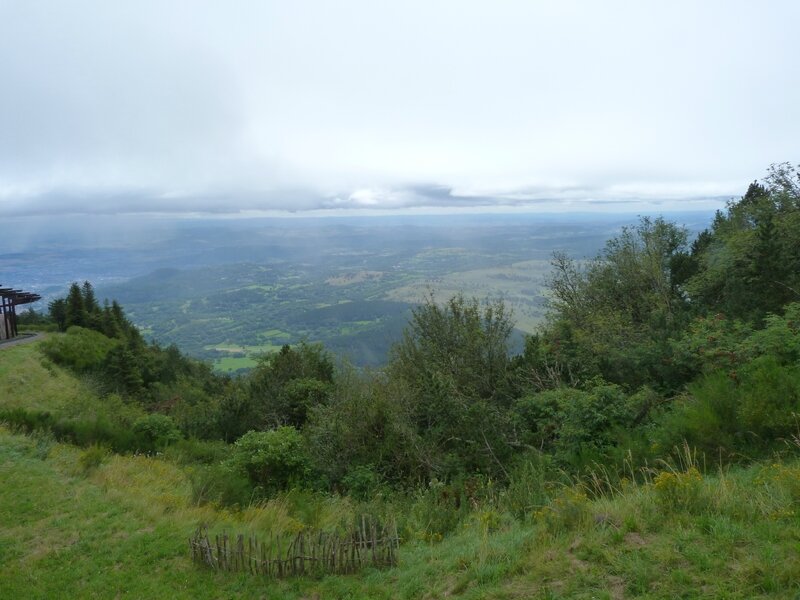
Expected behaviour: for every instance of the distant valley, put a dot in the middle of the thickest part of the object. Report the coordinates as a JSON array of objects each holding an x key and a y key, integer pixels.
[{"x": 230, "y": 290}]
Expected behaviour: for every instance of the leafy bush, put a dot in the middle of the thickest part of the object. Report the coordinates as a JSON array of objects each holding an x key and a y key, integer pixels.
[
  {"x": 195, "y": 412},
  {"x": 461, "y": 341},
  {"x": 748, "y": 409},
  {"x": 155, "y": 432},
  {"x": 80, "y": 349},
  {"x": 85, "y": 432},
  {"x": 618, "y": 310},
  {"x": 288, "y": 383},
  {"x": 706, "y": 419},
  {"x": 300, "y": 396},
  {"x": 26, "y": 421},
  {"x": 780, "y": 336},
  {"x": 768, "y": 396},
  {"x": 364, "y": 424},
  {"x": 454, "y": 370},
  {"x": 273, "y": 460},
  {"x": 712, "y": 343},
  {"x": 574, "y": 422},
  {"x": 362, "y": 482}
]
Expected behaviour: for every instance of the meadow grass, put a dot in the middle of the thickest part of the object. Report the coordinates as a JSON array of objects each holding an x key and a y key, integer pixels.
[
  {"x": 229, "y": 364},
  {"x": 29, "y": 380},
  {"x": 121, "y": 529}
]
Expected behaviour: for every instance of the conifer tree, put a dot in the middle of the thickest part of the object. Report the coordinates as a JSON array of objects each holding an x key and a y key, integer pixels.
[
  {"x": 93, "y": 315},
  {"x": 89, "y": 299},
  {"x": 75, "y": 309},
  {"x": 123, "y": 370},
  {"x": 108, "y": 324},
  {"x": 58, "y": 312}
]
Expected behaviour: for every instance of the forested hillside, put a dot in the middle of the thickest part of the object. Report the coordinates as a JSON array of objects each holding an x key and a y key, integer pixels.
[{"x": 662, "y": 393}]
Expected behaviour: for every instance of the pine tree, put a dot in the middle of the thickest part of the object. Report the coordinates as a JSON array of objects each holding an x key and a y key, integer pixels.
[
  {"x": 123, "y": 370},
  {"x": 120, "y": 320},
  {"x": 75, "y": 309},
  {"x": 58, "y": 312},
  {"x": 108, "y": 324},
  {"x": 93, "y": 314},
  {"x": 89, "y": 299}
]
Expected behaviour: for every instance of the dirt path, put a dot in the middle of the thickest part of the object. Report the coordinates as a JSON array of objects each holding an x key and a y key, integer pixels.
[{"x": 22, "y": 339}]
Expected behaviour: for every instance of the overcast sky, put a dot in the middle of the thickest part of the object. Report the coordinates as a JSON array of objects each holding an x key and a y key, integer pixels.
[{"x": 170, "y": 106}]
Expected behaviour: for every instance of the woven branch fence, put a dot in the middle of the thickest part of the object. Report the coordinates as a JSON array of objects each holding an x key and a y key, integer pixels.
[{"x": 306, "y": 554}]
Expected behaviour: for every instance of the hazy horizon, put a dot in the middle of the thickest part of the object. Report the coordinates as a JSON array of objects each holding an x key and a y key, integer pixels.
[{"x": 265, "y": 107}]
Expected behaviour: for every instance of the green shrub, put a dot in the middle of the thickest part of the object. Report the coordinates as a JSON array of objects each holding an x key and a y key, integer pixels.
[
  {"x": 365, "y": 423},
  {"x": 768, "y": 394},
  {"x": 195, "y": 413},
  {"x": 538, "y": 416},
  {"x": 712, "y": 343},
  {"x": 705, "y": 419},
  {"x": 780, "y": 336},
  {"x": 589, "y": 418},
  {"x": 273, "y": 460},
  {"x": 156, "y": 432},
  {"x": 287, "y": 383},
  {"x": 746, "y": 410},
  {"x": 300, "y": 396},
  {"x": 362, "y": 482},
  {"x": 80, "y": 349},
  {"x": 576, "y": 424},
  {"x": 92, "y": 457}
]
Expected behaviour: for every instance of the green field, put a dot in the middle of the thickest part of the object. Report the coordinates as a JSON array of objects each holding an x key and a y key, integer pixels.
[
  {"x": 231, "y": 364},
  {"x": 519, "y": 284}
]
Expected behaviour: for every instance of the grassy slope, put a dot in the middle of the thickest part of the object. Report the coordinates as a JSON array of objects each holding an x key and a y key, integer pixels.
[
  {"x": 28, "y": 380},
  {"x": 120, "y": 531}
]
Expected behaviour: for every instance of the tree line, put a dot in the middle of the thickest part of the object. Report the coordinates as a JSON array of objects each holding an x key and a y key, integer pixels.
[{"x": 659, "y": 339}]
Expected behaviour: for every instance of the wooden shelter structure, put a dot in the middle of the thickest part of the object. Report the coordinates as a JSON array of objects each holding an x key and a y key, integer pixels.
[{"x": 9, "y": 300}]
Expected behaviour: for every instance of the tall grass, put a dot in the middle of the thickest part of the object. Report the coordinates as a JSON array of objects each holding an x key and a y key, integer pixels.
[{"x": 739, "y": 540}]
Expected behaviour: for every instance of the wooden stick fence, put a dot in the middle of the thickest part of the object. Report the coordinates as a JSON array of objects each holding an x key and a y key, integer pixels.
[{"x": 307, "y": 553}]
